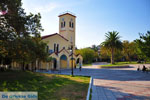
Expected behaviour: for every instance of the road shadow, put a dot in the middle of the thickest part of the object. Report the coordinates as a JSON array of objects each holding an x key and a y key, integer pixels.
[
  {"x": 107, "y": 74},
  {"x": 116, "y": 74}
]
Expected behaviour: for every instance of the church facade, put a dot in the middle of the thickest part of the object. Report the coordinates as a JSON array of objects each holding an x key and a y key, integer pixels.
[{"x": 61, "y": 46}]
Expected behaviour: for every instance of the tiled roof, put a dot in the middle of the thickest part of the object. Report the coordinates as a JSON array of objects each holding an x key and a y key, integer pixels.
[
  {"x": 66, "y": 14},
  {"x": 62, "y": 50},
  {"x": 46, "y": 36},
  {"x": 73, "y": 54}
]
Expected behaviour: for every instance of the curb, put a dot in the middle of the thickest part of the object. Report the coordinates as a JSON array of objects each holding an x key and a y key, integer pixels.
[{"x": 90, "y": 85}]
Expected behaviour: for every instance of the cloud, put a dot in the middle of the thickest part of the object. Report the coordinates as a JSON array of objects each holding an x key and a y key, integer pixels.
[
  {"x": 46, "y": 8},
  {"x": 42, "y": 7}
]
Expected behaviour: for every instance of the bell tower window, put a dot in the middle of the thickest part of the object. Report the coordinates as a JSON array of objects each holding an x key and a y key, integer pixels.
[
  {"x": 69, "y": 24},
  {"x": 61, "y": 24}
]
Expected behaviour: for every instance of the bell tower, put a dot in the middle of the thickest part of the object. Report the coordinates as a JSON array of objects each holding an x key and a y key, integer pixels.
[{"x": 67, "y": 26}]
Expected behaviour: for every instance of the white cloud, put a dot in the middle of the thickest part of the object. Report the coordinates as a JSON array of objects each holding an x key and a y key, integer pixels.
[
  {"x": 37, "y": 7},
  {"x": 46, "y": 8}
]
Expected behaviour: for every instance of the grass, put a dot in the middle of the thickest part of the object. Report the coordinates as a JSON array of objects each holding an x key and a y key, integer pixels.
[
  {"x": 48, "y": 86},
  {"x": 119, "y": 64},
  {"x": 87, "y": 64}
]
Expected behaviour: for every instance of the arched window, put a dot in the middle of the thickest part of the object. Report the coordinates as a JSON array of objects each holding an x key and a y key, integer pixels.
[
  {"x": 57, "y": 48},
  {"x": 69, "y": 24},
  {"x": 64, "y": 23},
  {"x": 61, "y": 24},
  {"x": 72, "y": 25},
  {"x": 54, "y": 47}
]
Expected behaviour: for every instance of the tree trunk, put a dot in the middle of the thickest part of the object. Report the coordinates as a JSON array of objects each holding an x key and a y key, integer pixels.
[
  {"x": 129, "y": 57},
  {"x": 112, "y": 56}
]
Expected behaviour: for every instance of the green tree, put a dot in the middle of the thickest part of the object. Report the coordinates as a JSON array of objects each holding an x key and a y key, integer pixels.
[
  {"x": 20, "y": 33},
  {"x": 16, "y": 17},
  {"x": 104, "y": 53},
  {"x": 7, "y": 36},
  {"x": 129, "y": 50},
  {"x": 87, "y": 54},
  {"x": 96, "y": 50},
  {"x": 112, "y": 42},
  {"x": 143, "y": 45}
]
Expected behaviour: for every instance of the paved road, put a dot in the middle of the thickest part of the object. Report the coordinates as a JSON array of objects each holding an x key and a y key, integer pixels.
[
  {"x": 117, "y": 84},
  {"x": 121, "y": 84}
]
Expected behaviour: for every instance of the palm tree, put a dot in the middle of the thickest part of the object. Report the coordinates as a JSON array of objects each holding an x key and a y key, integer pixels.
[{"x": 112, "y": 42}]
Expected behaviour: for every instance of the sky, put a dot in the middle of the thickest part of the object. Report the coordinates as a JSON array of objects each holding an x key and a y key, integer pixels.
[{"x": 94, "y": 18}]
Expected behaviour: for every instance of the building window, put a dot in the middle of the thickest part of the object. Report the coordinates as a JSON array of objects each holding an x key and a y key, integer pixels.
[
  {"x": 54, "y": 47},
  {"x": 61, "y": 24},
  {"x": 69, "y": 24},
  {"x": 72, "y": 25},
  {"x": 57, "y": 47},
  {"x": 64, "y": 23}
]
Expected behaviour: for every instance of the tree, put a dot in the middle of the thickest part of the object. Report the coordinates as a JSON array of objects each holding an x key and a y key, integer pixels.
[
  {"x": 144, "y": 45},
  {"x": 112, "y": 42},
  {"x": 129, "y": 50},
  {"x": 96, "y": 50},
  {"x": 104, "y": 53},
  {"x": 20, "y": 34},
  {"x": 16, "y": 17},
  {"x": 7, "y": 36},
  {"x": 87, "y": 54}
]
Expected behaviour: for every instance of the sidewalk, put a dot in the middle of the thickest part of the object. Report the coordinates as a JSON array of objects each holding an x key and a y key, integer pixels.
[{"x": 116, "y": 84}]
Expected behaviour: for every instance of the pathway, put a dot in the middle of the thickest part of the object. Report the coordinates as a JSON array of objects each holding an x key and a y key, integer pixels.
[{"x": 117, "y": 84}]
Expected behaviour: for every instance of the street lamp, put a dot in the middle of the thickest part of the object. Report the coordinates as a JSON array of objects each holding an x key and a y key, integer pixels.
[
  {"x": 72, "y": 58},
  {"x": 71, "y": 51}
]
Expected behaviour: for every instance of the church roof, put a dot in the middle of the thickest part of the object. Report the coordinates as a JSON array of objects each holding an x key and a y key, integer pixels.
[
  {"x": 46, "y": 36},
  {"x": 62, "y": 50},
  {"x": 56, "y": 53},
  {"x": 67, "y": 13}
]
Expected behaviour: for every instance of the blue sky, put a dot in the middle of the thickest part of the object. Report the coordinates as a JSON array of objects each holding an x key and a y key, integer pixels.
[{"x": 95, "y": 17}]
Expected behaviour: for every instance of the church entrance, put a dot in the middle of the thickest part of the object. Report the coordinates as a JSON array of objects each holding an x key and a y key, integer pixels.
[{"x": 63, "y": 61}]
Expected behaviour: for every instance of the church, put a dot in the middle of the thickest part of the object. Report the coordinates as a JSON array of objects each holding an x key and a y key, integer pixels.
[{"x": 61, "y": 46}]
